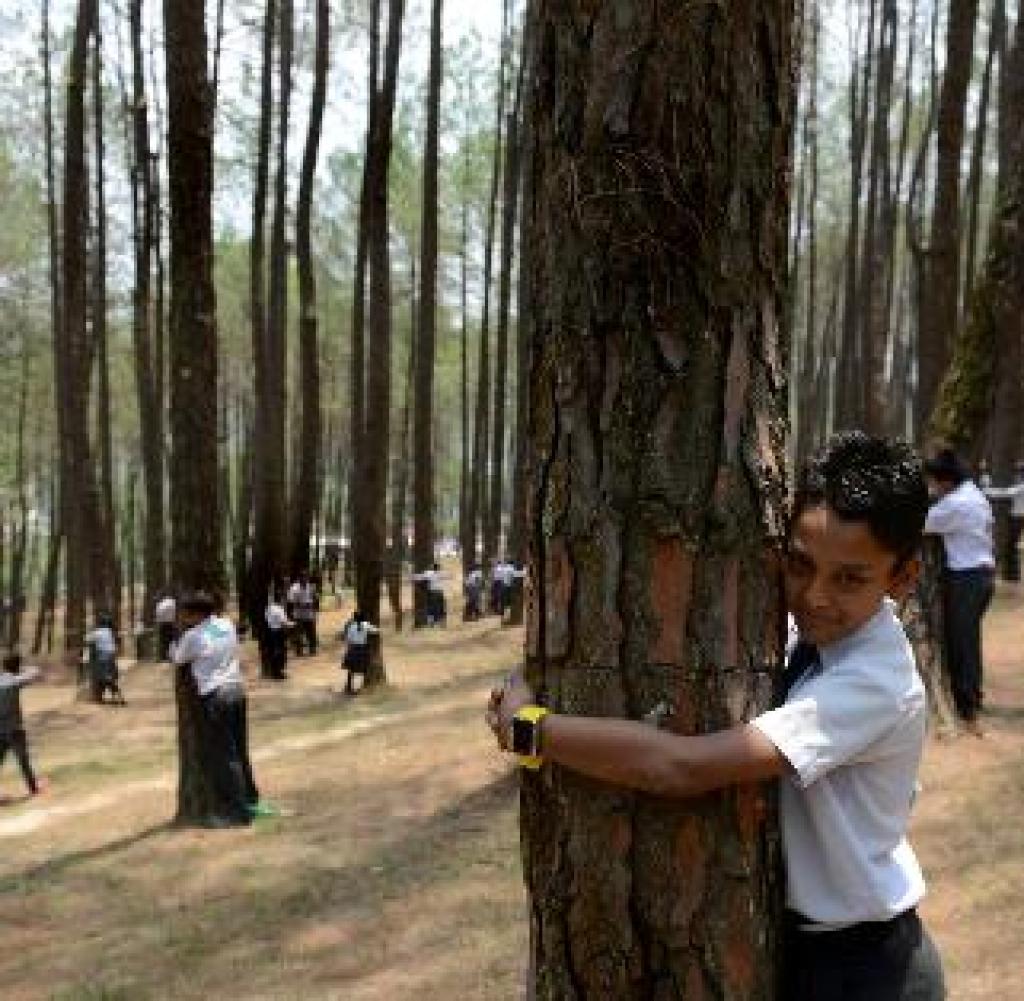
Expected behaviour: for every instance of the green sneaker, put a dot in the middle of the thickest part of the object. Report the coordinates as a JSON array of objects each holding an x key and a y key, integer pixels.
[{"x": 263, "y": 809}]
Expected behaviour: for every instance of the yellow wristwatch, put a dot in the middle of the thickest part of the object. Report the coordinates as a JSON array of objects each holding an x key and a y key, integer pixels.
[{"x": 526, "y": 736}]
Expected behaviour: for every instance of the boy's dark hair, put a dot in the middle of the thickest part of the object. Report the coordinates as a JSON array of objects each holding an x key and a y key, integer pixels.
[
  {"x": 12, "y": 663},
  {"x": 200, "y": 603},
  {"x": 879, "y": 481}
]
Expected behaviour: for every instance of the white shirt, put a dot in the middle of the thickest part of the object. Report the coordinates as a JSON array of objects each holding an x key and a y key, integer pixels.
[
  {"x": 294, "y": 592},
  {"x": 166, "y": 610},
  {"x": 275, "y": 616},
  {"x": 433, "y": 578},
  {"x": 964, "y": 520},
  {"x": 102, "y": 638},
  {"x": 853, "y": 731},
  {"x": 211, "y": 648},
  {"x": 1016, "y": 494},
  {"x": 474, "y": 578},
  {"x": 506, "y": 573},
  {"x": 305, "y": 602},
  {"x": 357, "y": 633}
]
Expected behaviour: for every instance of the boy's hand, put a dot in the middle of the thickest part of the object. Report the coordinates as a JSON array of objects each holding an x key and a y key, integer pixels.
[{"x": 504, "y": 703}]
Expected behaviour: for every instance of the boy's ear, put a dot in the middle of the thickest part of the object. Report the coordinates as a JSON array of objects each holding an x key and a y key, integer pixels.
[{"x": 904, "y": 578}]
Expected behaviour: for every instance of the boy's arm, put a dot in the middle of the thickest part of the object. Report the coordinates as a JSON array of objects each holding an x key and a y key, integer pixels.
[{"x": 638, "y": 756}]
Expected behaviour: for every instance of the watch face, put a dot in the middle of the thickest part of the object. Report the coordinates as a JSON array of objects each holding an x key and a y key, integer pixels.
[{"x": 522, "y": 736}]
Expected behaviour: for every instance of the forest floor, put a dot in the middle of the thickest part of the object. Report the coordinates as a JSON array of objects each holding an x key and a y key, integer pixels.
[{"x": 394, "y": 871}]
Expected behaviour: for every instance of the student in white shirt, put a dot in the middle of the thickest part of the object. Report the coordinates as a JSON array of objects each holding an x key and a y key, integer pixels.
[
  {"x": 436, "y": 606},
  {"x": 845, "y": 745},
  {"x": 209, "y": 648},
  {"x": 101, "y": 660},
  {"x": 472, "y": 590},
  {"x": 166, "y": 614},
  {"x": 963, "y": 517},
  {"x": 304, "y": 600},
  {"x": 277, "y": 625},
  {"x": 1015, "y": 494},
  {"x": 356, "y": 634}
]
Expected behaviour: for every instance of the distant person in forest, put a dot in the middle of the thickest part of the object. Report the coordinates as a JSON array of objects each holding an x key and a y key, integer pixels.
[
  {"x": 101, "y": 660},
  {"x": 436, "y": 606},
  {"x": 962, "y": 516},
  {"x": 12, "y": 724},
  {"x": 276, "y": 628},
  {"x": 166, "y": 615},
  {"x": 472, "y": 592},
  {"x": 356, "y": 635},
  {"x": 209, "y": 649},
  {"x": 844, "y": 746},
  {"x": 1015, "y": 494},
  {"x": 506, "y": 575},
  {"x": 305, "y": 604}
]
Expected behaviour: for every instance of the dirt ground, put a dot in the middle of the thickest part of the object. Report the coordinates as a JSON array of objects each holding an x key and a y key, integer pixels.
[{"x": 395, "y": 870}]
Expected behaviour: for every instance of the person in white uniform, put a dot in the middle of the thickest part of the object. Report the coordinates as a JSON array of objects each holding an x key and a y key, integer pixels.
[
  {"x": 962, "y": 516},
  {"x": 1015, "y": 494},
  {"x": 844, "y": 746}
]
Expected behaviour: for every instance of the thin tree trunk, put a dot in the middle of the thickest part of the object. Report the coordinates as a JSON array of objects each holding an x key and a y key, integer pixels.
[
  {"x": 374, "y": 474},
  {"x": 467, "y": 542},
  {"x": 261, "y": 567},
  {"x": 72, "y": 363},
  {"x": 657, "y": 410},
  {"x": 307, "y": 483},
  {"x": 423, "y": 426},
  {"x": 400, "y": 474},
  {"x": 481, "y": 425}
]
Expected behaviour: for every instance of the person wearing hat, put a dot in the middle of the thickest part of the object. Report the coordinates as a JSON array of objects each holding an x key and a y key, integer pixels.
[
  {"x": 1015, "y": 494},
  {"x": 962, "y": 516}
]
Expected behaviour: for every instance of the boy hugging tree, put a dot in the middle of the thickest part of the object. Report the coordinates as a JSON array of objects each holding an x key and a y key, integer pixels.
[{"x": 845, "y": 745}]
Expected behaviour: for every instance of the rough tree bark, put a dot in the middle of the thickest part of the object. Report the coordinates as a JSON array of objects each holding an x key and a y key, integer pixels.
[
  {"x": 196, "y": 553},
  {"x": 940, "y": 307},
  {"x": 657, "y": 416}
]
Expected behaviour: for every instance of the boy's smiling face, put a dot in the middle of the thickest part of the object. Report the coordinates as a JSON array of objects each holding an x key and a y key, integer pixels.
[{"x": 837, "y": 574}]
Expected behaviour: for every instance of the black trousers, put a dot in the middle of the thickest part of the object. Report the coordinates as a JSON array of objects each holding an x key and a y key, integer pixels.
[
  {"x": 874, "y": 961},
  {"x": 18, "y": 742},
  {"x": 226, "y": 750},
  {"x": 165, "y": 632},
  {"x": 966, "y": 597}
]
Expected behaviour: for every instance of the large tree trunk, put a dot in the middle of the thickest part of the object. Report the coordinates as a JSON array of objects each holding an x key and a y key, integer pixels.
[
  {"x": 990, "y": 341},
  {"x": 196, "y": 554},
  {"x": 307, "y": 483},
  {"x": 423, "y": 426},
  {"x": 657, "y": 415},
  {"x": 942, "y": 284},
  {"x": 374, "y": 474}
]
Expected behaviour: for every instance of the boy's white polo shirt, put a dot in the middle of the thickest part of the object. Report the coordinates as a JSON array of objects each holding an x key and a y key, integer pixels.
[{"x": 853, "y": 731}]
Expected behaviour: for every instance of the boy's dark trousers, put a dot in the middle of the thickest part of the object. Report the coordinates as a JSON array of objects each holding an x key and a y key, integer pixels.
[
  {"x": 226, "y": 739},
  {"x": 873, "y": 961},
  {"x": 18, "y": 742},
  {"x": 966, "y": 597}
]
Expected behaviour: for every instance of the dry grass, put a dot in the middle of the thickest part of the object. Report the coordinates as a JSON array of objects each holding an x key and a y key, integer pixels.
[{"x": 398, "y": 873}]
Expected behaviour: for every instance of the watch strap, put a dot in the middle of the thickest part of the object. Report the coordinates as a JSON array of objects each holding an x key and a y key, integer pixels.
[{"x": 532, "y": 715}]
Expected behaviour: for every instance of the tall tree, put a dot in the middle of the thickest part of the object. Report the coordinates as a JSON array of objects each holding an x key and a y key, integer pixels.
[
  {"x": 372, "y": 479},
  {"x": 73, "y": 355},
  {"x": 423, "y": 426},
  {"x": 481, "y": 425},
  {"x": 307, "y": 482},
  {"x": 266, "y": 530},
  {"x": 940, "y": 304},
  {"x": 151, "y": 418},
  {"x": 657, "y": 418},
  {"x": 196, "y": 552}
]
